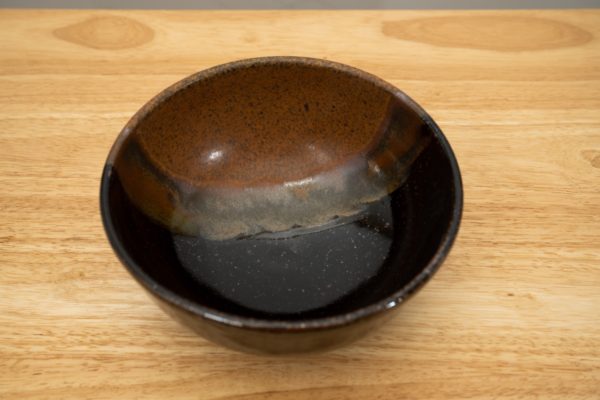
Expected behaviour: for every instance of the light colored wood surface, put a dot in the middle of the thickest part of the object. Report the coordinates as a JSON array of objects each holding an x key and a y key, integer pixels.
[{"x": 513, "y": 314}]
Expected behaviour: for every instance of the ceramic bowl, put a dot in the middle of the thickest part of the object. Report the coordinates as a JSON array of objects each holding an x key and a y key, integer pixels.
[{"x": 281, "y": 204}]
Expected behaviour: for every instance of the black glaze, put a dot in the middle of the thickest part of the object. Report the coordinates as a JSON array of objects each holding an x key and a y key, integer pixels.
[
  {"x": 307, "y": 275},
  {"x": 408, "y": 235},
  {"x": 414, "y": 211}
]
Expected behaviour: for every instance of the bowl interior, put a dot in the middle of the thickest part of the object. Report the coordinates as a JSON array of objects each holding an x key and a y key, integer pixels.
[
  {"x": 263, "y": 125},
  {"x": 263, "y": 128}
]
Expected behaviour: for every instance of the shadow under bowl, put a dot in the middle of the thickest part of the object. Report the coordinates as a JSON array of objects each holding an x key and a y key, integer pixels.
[{"x": 281, "y": 204}]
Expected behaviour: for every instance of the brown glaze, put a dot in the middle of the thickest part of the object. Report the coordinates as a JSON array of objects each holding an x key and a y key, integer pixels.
[
  {"x": 267, "y": 145},
  {"x": 263, "y": 125},
  {"x": 299, "y": 142}
]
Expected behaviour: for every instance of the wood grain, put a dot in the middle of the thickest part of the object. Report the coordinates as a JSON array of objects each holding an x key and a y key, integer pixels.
[{"x": 513, "y": 314}]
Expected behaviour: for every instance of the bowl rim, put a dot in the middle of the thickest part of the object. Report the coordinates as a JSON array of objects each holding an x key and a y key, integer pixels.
[{"x": 390, "y": 302}]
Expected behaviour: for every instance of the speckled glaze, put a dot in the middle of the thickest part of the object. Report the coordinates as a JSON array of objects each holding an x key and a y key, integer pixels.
[
  {"x": 281, "y": 204},
  {"x": 266, "y": 145}
]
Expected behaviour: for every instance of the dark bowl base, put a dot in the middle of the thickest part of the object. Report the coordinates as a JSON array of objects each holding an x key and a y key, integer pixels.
[{"x": 316, "y": 275}]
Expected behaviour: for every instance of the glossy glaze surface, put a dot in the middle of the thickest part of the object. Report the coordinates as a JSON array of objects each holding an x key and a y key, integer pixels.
[
  {"x": 266, "y": 146},
  {"x": 312, "y": 285}
]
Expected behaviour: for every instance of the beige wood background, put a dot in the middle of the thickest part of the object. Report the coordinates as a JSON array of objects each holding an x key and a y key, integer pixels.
[{"x": 513, "y": 314}]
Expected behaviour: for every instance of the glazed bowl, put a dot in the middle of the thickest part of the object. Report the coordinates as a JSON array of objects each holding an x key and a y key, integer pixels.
[{"x": 281, "y": 204}]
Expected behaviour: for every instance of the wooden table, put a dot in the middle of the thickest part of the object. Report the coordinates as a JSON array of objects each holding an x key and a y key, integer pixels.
[{"x": 513, "y": 314}]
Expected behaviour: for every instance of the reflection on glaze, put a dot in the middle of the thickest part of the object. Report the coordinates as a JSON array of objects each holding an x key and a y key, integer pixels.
[
  {"x": 305, "y": 272},
  {"x": 245, "y": 148}
]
